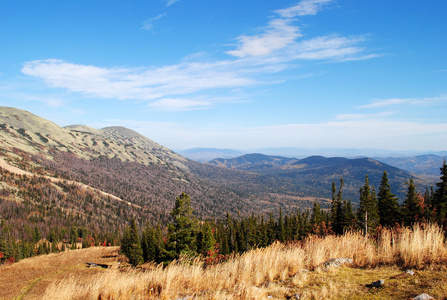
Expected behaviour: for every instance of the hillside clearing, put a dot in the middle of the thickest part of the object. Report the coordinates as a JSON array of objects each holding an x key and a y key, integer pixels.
[{"x": 29, "y": 278}]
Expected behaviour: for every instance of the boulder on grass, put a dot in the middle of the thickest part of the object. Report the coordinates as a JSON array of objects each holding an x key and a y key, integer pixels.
[{"x": 337, "y": 262}]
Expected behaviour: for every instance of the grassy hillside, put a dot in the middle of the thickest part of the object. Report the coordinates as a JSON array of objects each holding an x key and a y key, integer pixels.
[{"x": 279, "y": 272}]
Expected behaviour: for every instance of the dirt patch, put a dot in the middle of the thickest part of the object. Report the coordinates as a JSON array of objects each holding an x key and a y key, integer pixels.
[{"x": 29, "y": 278}]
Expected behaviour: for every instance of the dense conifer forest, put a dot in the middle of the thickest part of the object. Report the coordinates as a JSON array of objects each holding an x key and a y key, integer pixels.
[{"x": 215, "y": 240}]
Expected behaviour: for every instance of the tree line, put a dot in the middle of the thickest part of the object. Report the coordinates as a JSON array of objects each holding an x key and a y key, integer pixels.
[{"x": 215, "y": 240}]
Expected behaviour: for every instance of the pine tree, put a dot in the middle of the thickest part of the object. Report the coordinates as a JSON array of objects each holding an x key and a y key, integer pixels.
[
  {"x": 280, "y": 231},
  {"x": 316, "y": 218},
  {"x": 440, "y": 196},
  {"x": 388, "y": 205},
  {"x": 338, "y": 213},
  {"x": 134, "y": 252},
  {"x": 181, "y": 231},
  {"x": 350, "y": 219},
  {"x": 207, "y": 240},
  {"x": 36, "y": 235},
  {"x": 368, "y": 207},
  {"x": 411, "y": 211}
]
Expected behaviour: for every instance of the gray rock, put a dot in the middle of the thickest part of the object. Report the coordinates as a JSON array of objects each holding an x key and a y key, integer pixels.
[
  {"x": 423, "y": 296},
  {"x": 377, "y": 283},
  {"x": 409, "y": 272},
  {"x": 337, "y": 262}
]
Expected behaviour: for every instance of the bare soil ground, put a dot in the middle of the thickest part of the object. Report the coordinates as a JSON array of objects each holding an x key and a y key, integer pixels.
[{"x": 29, "y": 278}]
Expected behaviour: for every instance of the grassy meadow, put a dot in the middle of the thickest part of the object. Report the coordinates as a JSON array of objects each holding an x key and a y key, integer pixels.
[{"x": 285, "y": 271}]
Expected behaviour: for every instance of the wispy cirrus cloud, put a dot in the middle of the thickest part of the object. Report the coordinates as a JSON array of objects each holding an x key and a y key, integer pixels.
[
  {"x": 377, "y": 116},
  {"x": 405, "y": 101},
  {"x": 171, "y": 2},
  {"x": 178, "y": 104},
  {"x": 142, "y": 84},
  {"x": 304, "y": 8},
  {"x": 149, "y": 23},
  {"x": 280, "y": 38},
  {"x": 278, "y": 34}
]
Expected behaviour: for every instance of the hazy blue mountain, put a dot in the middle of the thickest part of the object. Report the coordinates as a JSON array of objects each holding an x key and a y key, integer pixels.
[
  {"x": 428, "y": 164},
  {"x": 207, "y": 154}
]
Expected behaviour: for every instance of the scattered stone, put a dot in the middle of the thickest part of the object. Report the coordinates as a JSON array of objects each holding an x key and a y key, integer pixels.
[
  {"x": 297, "y": 296},
  {"x": 337, "y": 262},
  {"x": 92, "y": 265},
  {"x": 377, "y": 284},
  {"x": 423, "y": 296},
  {"x": 409, "y": 272}
]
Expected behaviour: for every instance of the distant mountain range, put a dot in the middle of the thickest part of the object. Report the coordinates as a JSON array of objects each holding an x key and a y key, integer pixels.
[
  {"x": 315, "y": 174},
  {"x": 131, "y": 167},
  {"x": 206, "y": 154},
  {"x": 425, "y": 164}
]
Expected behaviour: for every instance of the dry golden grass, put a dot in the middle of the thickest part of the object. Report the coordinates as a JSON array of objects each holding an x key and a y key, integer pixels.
[
  {"x": 29, "y": 278},
  {"x": 279, "y": 271}
]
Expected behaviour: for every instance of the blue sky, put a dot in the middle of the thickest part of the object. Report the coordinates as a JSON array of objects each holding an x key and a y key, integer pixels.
[{"x": 234, "y": 74}]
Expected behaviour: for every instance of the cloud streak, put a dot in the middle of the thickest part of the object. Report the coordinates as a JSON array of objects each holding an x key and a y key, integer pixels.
[
  {"x": 406, "y": 101},
  {"x": 304, "y": 8},
  {"x": 148, "y": 25}
]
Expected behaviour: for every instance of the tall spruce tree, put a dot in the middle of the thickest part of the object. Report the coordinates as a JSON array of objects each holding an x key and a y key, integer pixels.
[
  {"x": 130, "y": 244},
  {"x": 206, "y": 240},
  {"x": 440, "y": 196},
  {"x": 411, "y": 211},
  {"x": 316, "y": 218},
  {"x": 338, "y": 209},
  {"x": 388, "y": 205},
  {"x": 368, "y": 208},
  {"x": 182, "y": 229}
]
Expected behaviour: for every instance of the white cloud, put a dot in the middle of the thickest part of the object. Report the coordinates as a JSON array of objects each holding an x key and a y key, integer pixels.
[
  {"x": 280, "y": 39},
  {"x": 149, "y": 23},
  {"x": 175, "y": 104},
  {"x": 279, "y": 34},
  {"x": 406, "y": 101},
  {"x": 376, "y": 116},
  {"x": 328, "y": 47},
  {"x": 171, "y": 2},
  {"x": 303, "y": 8},
  {"x": 139, "y": 83}
]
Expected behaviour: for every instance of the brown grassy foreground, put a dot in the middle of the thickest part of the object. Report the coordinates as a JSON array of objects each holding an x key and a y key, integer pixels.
[
  {"x": 29, "y": 278},
  {"x": 284, "y": 271}
]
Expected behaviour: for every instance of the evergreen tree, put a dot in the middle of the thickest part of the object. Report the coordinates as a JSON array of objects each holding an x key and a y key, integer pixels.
[
  {"x": 368, "y": 207},
  {"x": 36, "y": 235},
  {"x": 440, "y": 196},
  {"x": 411, "y": 211},
  {"x": 181, "y": 231},
  {"x": 388, "y": 205},
  {"x": 134, "y": 252},
  {"x": 271, "y": 229},
  {"x": 350, "y": 219},
  {"x": 428, "y": 205},
  {"x": 316, "y": 218},
  {"x": 207, "y": 240},
  {"x": 280, "y": 231},
  {"x": 338, "y": 213}
]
